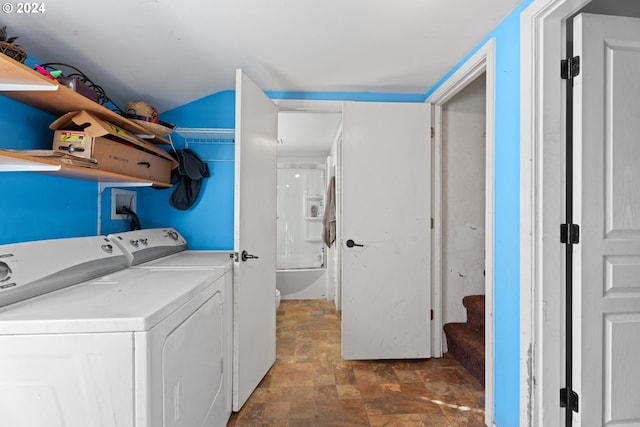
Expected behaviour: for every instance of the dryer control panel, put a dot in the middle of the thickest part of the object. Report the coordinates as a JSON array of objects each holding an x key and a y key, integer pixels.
[{"x": 145, "y": 245}]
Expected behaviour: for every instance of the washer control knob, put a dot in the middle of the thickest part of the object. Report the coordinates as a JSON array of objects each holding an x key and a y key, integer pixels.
[
  {"x": 172, "y": 235},
  {"x": 4, "y": 270},
  {"x": 133, "y": 243}
]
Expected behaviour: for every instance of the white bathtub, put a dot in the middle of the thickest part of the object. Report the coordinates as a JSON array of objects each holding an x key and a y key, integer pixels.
[{"x": 303, "y": 283}]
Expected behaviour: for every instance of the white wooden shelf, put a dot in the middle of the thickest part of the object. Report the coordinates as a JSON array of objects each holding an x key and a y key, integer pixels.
[
  {"x": 12, "y": 164},
  {"x": 13, "y": 161},
  {"x": 16, "y": 78}
]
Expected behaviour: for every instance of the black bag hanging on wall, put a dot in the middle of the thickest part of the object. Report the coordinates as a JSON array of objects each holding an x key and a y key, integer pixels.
[{"x": 187, "y": 178}]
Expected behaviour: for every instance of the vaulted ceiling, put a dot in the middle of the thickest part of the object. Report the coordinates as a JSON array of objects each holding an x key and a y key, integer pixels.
[{"x": 170, "y": 52}]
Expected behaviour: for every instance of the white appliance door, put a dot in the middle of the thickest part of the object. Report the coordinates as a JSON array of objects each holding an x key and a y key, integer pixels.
[
  {"x": 386, "y": 231},
  {"x": 606, "y": 261},
  {"x": 192, "y": 368},
  {"x": 254, "y": 343}
]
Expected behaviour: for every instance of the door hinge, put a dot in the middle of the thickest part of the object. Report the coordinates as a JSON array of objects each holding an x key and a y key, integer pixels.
[
  {"x": 431, "y": 314},
  {"x": 569, "y": 399},
  {"x": 569, "y": 68},
  {"x": 433, "y": 132},
  {"x": 569, "y": 234},
  {"x": 432, "y": 223}
]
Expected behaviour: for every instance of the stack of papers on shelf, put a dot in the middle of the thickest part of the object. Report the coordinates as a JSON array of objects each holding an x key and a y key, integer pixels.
[{"x": 60, "y": 156}]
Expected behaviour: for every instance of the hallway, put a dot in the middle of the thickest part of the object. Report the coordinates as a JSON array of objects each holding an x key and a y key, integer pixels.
[{"x": 309, "y": 385}]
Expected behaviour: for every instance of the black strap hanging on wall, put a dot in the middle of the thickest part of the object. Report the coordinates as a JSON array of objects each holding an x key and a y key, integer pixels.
[{"x": 187, "y": 178}]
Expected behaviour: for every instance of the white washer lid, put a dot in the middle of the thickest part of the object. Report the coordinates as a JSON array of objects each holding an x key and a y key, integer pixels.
[
  {"x": 34, "y": 268},
  {"x": 128, "y": 300},
  {"x": 193, "y": 259}
]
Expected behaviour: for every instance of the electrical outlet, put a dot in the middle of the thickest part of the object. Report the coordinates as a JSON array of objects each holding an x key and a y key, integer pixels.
[{"x": 122, "y": 199}]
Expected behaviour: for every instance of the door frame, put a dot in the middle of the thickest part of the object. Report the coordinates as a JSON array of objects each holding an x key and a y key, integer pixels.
[
  {"x": 482, "y": 61},
  {"x": 542, "y": 195}
]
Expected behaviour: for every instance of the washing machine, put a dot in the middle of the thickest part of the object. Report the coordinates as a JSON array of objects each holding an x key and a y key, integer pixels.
[{"x": 85, "y": 340}]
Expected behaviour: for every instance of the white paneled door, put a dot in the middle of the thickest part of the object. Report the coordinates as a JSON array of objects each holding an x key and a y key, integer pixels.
[
  {"x": 254, "y": 332},
  {"x": 606, "y": 203},
  {"x": 386, "y": 230}
]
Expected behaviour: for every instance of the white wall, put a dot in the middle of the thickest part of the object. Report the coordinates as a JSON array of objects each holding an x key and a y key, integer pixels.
[
  {"x": 300, "y": 209},
  {"x": 463, "y": 198}
]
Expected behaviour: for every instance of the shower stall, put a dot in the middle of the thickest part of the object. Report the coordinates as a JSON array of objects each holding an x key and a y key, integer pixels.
[{"x": 301, "y": 268}]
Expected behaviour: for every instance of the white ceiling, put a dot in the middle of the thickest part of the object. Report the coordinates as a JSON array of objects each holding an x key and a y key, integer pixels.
[
  {"x": 169, "y": 53},
  {"x": 305, "y": 134}
]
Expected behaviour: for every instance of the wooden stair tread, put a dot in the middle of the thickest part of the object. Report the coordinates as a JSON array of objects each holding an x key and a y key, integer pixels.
[
  {"x": 465, "y": 341},
  {"x": 475, "y": 305},
  {"x": 466, "y": 345},
  {"x": 465, "y": 333}
]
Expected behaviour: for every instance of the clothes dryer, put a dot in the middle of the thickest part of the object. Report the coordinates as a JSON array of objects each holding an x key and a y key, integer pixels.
[{"x": 142, "y": 247}]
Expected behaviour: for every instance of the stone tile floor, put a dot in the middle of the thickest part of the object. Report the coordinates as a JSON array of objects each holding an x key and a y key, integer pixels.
[{"x": 310, "y": 385}]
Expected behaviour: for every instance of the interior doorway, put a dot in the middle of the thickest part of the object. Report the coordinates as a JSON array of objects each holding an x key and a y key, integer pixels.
[
  {"x": 463, "y": 198},
  {"x": 465, "y": 100},
  {"x": 308, "y": 140}
]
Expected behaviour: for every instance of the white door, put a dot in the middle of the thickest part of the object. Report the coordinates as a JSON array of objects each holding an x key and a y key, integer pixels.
[
  {"x": 254, "y": 317},
  {"x": 606, "y": 262},
  {"x": 386, "y": 231}
]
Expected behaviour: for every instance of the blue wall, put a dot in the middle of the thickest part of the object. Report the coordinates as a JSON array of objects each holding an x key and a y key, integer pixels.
[
  {"x": 37, "y": 206},
  {"x": 507, "y": 224},
  {"x": 208, "y": 224}
]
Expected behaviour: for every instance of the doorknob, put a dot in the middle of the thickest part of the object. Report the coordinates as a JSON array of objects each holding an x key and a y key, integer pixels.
[
  {"x": 351, "y": 243},
  {"x": 246, "y": 255}
]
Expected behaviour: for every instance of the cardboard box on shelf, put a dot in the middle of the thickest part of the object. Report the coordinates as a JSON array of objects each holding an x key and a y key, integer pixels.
[{"x": 85, "y": 134}]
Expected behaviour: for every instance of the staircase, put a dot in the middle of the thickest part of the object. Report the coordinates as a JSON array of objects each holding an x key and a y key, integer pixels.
[{"x": 465, "y": 341}]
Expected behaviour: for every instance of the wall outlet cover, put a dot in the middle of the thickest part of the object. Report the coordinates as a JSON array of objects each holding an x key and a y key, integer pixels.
[{"x": 122, "y": 198}]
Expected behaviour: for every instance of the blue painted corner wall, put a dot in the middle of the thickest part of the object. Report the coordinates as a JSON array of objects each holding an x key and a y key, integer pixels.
[
  {"x": 507, "y": 224},
  {"x": 35, "y": 206},
  {"x": 39, "y": 206},
  {"x": 208, "y": 224}
]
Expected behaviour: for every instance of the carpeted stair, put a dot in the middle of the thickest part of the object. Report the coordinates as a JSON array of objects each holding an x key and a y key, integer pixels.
[{"x": 465, "y": 341}]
